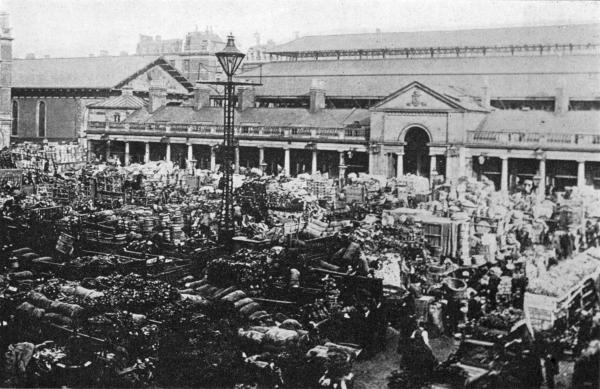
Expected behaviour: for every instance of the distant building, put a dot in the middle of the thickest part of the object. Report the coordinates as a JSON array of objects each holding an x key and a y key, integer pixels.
[
  {"x": 259, "y": 52},
  {"x": 193, "y": 57},
  {"x": 157, "y": 46}
]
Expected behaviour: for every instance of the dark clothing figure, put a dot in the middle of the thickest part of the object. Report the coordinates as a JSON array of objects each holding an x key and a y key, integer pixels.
[
  {"x": 566, "y": 245},
  {"x": 453, "y": 315},
  {"x": 408, "y": 324},
  {"x": 518, "y": 287},
  {"x": 475, "y": 312},
  {"x": 493, "y": 290},
  {"x": 551, "y": 367},
  {"x": 421, "y": 361}
]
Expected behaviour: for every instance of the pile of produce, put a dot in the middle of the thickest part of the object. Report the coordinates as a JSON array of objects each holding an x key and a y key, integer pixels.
[
  {"x": 501, "y": 320},
  {"x": 252, "y": 198},
  {"x": 134, "y": 293},
  {"x": 559, "y": 279},
  {"x": 245, "y": 268}
]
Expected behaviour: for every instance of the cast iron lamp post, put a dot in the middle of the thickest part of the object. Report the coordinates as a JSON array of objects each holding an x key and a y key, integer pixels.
[{"x": 230, "y": 59}]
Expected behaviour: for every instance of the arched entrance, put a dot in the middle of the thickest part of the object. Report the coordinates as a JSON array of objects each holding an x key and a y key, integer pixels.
[{"x": 416, "y": 152}]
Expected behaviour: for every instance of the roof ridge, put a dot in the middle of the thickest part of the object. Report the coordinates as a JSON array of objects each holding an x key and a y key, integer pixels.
[{"x": 448, "y": 30}]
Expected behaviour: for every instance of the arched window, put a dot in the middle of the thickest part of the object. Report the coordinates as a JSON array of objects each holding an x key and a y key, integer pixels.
[
  {"x": 117, "y": 118},
  {"x": 15, "y": 118},
  {"x": 42, "y": 119}
]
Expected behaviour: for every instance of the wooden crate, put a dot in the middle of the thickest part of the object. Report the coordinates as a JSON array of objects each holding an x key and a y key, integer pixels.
[{"x": 543, "y": 311}]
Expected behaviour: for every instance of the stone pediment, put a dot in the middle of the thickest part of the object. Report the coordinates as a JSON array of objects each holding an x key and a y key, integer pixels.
[{"x": 418, "y": 97}]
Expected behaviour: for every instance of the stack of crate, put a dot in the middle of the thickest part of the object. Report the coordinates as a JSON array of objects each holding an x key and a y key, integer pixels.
[{"x": 322, "y": 189}]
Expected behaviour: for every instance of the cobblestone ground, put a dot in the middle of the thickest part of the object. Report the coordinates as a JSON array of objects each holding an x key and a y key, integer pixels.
[{"x": 373, "y": 373}]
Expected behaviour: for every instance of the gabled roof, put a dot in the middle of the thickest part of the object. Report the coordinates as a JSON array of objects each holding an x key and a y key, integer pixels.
[
  {"x": 122, "y": 102},
  {"x": 452, "y": 97},
  {"x": 87, "y": 72},
  {"x": 505, "y": 36},
  {"x": 331, "y": 118}
]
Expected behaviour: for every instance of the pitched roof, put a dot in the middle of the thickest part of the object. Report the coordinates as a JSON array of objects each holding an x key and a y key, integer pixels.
[
  {"x": 122, "y": 101},
  {"x": 510, "y": 76},
  {"x": 332, "y": 118},
  {"x": 505, "y": 36},
  {"x": 582, "y": 122},
  {"x": 86, "y": 72}
]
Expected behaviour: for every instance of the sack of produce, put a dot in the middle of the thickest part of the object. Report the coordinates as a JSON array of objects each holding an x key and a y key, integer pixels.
[
  {"x": 59, "y": 319},
  {"x": 280, "y": 336},
  {"x": 30, "y": 311},
  {"x": 70, "y": 310},
  {"x": 291, "y": 324},
  {"x": 39, "y": 300},
  {"x": 253, "y": 336}
]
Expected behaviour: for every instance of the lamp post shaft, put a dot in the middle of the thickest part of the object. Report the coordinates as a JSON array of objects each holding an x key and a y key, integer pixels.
[{"x": 226, "y": 222}]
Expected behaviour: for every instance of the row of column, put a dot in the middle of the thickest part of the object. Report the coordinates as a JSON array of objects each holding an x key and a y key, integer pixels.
[
  {"x": 261, "y": 157},
  {"x": 542, "y": 170},
  {"x": 400, "y": 165}
]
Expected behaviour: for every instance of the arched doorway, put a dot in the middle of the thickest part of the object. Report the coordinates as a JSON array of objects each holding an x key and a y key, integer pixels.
[{"x": 416, "y": 152}]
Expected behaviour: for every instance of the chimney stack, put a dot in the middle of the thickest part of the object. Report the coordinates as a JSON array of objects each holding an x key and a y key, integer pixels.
[
  {"x": 561, "y": 101},
  {"x": 317, "y": 96},
  {"x": 201, "y": 96},
  {"x": 246, "y": 97},
  {"x": 158, "y": 95},
  {"x": 127, "y": 91}
]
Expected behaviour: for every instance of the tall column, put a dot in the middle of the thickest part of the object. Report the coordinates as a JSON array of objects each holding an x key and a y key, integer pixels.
[
  {"x": 107, "y": 150},
  {"x": 462, "y": 162},
  {"x": 399, "y": 165},
  {"x": 286, "y": 162},
  {"x": 191, "y": 165},
  {"x": 261, "y": 158},
  {"x": 168, "y": 152},
  {"x": 190, "y": 152},
  {"x": 237, "y": 159},
  {"x": 581, "y": 173},
  {"x": 147, "y": 152},
  {"x": 213, "y": 159},
  {"x": 504, "y": 174},
  {"x": 433, "y": 166},
  {"x": 542, "y": 185},
  {"x": 342, "y": 168},
  {"x": 126, "y": 161},
  {"x": 313, "y": 165},
  {"x": 90, "y": 155},
  {"x": 449, "y": 174}
]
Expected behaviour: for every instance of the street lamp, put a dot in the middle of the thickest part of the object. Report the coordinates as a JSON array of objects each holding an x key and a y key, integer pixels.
[{"x": 230, "y": 59}]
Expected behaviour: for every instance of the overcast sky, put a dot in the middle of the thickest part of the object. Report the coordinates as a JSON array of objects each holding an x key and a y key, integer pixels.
[{"x": 66, "y": 28}]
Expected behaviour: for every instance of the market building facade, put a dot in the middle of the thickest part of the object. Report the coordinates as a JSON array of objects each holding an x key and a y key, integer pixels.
[{"x": 511, "y": 104}]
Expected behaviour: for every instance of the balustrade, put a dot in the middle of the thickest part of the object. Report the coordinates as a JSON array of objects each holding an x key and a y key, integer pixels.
[
  {"x": 253, "y": 130},
  {"x": 532, "y": 138}
]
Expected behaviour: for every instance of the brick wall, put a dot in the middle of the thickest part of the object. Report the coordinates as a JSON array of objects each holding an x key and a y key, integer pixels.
[{"x": 63, "y": 117}]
